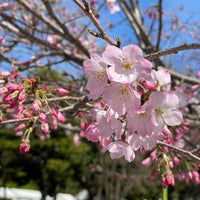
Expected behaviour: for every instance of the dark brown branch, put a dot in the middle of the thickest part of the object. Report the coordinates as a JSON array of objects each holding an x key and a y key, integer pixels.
[
  {"x": 173, "y": 50},
  {"x": 160, "y": 25},
  {"x": 94, "y": 20},
  {"x": 74, "y": 107}
]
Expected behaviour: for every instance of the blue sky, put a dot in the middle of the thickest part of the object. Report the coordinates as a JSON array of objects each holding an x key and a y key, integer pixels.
[{"x": 191, "y": 11}]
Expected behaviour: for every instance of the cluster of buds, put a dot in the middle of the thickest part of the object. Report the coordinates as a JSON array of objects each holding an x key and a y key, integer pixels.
[
  {"x": 170, "y": 167},
  {"x": 29, "y": 101}
]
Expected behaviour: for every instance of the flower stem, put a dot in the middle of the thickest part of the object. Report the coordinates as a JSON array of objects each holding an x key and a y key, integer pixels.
[{"x": 165, "y": 193}]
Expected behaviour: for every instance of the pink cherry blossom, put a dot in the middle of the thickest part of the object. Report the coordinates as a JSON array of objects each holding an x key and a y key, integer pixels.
[
  {"x": 113, "y": 7},
  {"x": 165, "y": 107},
  {"x": 135, "y": 123},
  {"x": 95, "y": 70},
  {"x": 163, "y": 79},
  {"x": 121, "y": 98},
  {"x": 119, "y": 149},
  {"x": 126, "y": 65}
]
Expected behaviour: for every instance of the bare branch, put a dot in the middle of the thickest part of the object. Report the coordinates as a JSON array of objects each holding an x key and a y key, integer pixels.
[
  {"x": 160, "y": 24},
  {"x": 64, "y": 28},
  {"x": 94, "y": 20},
  {"x": 189, "y": 154},
  {"x": 173, "y": 50}
]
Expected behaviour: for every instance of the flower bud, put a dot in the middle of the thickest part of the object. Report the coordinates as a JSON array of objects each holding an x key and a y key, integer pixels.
[{"x": 24, "y": 147}]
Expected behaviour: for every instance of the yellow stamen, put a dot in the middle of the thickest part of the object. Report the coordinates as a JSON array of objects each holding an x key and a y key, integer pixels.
[
  {"x": 127, "y": 65},
  {"x": 99, "y": 76},
  {"x": 160, "y": 111},
  {"x": 124, "y": 93}
]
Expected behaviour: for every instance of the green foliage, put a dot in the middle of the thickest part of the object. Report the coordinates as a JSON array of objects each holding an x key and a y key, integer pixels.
[{"x": 53, "y": 165}]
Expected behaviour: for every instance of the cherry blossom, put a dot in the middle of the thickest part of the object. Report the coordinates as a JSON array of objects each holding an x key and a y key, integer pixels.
[
  {"x": 113, "y": 7},
  {"x": 125, "y": 65},
  {"x": 95, "y": 70},
  {"x": 119, "y": 149},
  {"x": 132, "y": 93},
  {"x": 124, "y": 95}
]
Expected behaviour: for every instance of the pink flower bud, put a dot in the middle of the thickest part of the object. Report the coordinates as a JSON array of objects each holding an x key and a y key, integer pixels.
[
  {"x": 35, "y": 106},
  {"x": 22, "y": 96},
  {"x": 176, "y": 160},
  {"x": 171, "y": 164},
  {"x": 153, "y": 155},
  {"x": 166, "y": 149},
  {"x": 62, "y": 91},
  {"x": 80, "y": 114},
  {"x": 13, "y": 103},
  {"x": 190, "y": 175},
  {"x": 84, "y": 125},
  {"x": 166, "y": 131},
  {"x": 19, "y": 133},
  {"x": 196, "y": 177},
  {"x": 7, "y": 97},
  {"x": 194, "y": 87},
  {"x": 44, "y": 118},
  {"x": 20, "y": 127},
  {"x": 147, "y": 162},
  {"x": 24, "y": 147},
  {"x": 168, "y": 179},
  {"x": 82, "y": 134},
  {"x": 12, "y": 87},
  {"x": 55, "y": 124},
  {"x": 149, "y": 85},
  {"x": 76, "y": 140},
  {"x": 186, "y": 123},
  {"x": 60, "y": 117},
  {"x": 45, "y": 128}
]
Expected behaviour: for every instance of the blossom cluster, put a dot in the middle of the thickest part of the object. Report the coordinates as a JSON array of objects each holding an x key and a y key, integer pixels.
[
  {"x": 27, "y": 102},
  {"x": 137, "y": 106}
]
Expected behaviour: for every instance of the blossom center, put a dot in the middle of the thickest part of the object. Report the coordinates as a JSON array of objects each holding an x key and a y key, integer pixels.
[
  {"x": 124, "y": 92},
  {"x": 160, "y": 111},
  {"x": 126, "y": 65},
  {"x": 100, "y": 75}
]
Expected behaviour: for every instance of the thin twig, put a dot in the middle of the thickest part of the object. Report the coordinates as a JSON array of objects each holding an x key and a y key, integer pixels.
[
  {"x": 94, "y": 20},
  {"x": 179, "y": 150}
]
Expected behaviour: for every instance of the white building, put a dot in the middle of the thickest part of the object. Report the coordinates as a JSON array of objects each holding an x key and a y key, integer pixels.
[{"x": 25, "y": 194}]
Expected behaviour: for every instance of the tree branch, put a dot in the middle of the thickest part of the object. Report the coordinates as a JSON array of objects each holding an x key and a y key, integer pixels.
[
  {"x": 160, "y": 24},
  {"x": 94, "y": 20},
  {"x": 173, "y": 50},
  {"x": 181, "y": 151}
]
